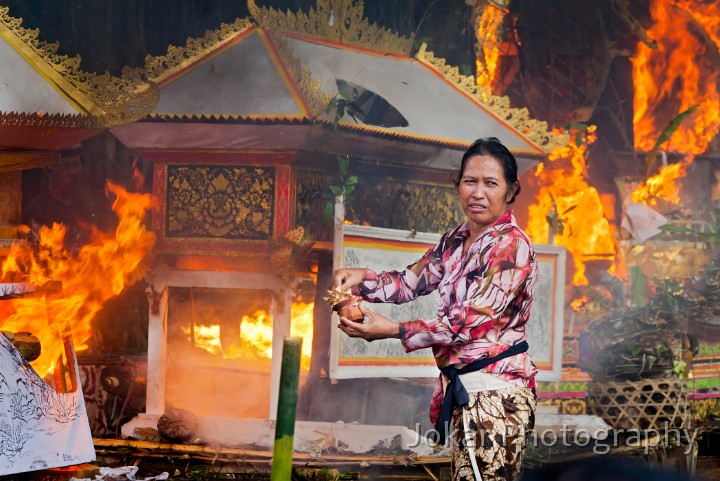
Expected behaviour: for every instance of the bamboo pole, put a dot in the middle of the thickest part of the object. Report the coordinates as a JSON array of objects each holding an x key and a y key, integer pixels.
[{"x": 287, "y": 406}]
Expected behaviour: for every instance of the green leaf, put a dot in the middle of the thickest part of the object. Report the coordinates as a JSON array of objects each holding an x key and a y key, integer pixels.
[
  {"x": 356, "y": 108},
  {"x": 672, "y": 126},
  {"x": 345, "y": 95},
  {"x": 349, "y": 189},
  {"x": 335, "y": 189},
  {"x": 343, "y": 165},
  {"x": 579, "y": 125},
  {"x": 578, "y": 139},
  {"x": 676, "y": 228},
  {"x": 665, "y": 135},
  {"x": 352, "y": 180},
  {"x": 328, "y": 211}
]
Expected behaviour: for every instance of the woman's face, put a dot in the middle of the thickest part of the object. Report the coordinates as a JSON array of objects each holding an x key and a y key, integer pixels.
[{"x": 484, "y": 192}]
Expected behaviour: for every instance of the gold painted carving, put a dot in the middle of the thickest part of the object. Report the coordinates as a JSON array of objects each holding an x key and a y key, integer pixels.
[
  {"x": 534, "y": 130},
  {"x": 160, "y": 67},
  {"x": 315, "y": 99},
  {"x": 107, "y": 99},
  {"x": 23, "y": 119},
  {"x": 220, "y": 202},
  {"x": 335, "y": 21}
]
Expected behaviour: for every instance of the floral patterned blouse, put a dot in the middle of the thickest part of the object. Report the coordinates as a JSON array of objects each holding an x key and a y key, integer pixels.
[{"x": 485, "y": 300}]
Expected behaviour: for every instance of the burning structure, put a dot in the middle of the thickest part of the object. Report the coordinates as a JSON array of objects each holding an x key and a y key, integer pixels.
[{"x": 237, "y": 138}]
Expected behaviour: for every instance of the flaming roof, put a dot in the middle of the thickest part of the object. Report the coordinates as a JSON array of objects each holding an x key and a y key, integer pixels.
[{"x": 270, "y": 84}]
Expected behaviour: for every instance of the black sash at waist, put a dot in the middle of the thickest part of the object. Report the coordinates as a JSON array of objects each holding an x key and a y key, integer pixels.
[{"x": 457, "y": 395}]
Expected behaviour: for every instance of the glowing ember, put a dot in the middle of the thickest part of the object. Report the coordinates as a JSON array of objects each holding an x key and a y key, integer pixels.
[
  {"x": 577, "y": 303},
  {"x": 679, "y": 73},
  {"x": 256, "y": 335},
  {"x": 565, "y": 196},
  {"x": 99, "y": 271}
]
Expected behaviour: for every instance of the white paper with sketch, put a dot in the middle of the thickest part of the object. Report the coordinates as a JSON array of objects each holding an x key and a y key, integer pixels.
[{"x": 40, "y": 428}]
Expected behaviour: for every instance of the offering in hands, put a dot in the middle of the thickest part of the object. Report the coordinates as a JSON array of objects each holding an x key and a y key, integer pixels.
[{"x": 345, "y": 304}]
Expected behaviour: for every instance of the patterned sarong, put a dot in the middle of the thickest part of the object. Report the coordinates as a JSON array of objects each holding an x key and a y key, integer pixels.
[{"x": 501, "y": 420}]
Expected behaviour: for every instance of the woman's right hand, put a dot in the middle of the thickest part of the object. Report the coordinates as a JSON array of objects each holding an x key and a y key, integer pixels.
[{"x": 344, "y": 279}]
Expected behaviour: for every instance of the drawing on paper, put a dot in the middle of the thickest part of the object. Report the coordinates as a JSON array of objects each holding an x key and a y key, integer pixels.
[{"x": 39, "y": 427}]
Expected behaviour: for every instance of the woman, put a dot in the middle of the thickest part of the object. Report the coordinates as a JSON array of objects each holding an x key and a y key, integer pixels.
[{"x": 485, "y": 272}]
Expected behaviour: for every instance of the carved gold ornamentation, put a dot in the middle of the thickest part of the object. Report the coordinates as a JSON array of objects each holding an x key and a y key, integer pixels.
[
  {"x": 161, "y": 67},
  {"x": 335, "y": 21},
  {"x": 109, "y": 100},
  {"x": 220, "y": 202},
  {"x": 315, "y": 99},
  {"x": 405, "y": 205},
  {"x": 380, "y": 202},
  {"x": 22, "y": 119},
  {"x": 534, "y": 130},
  {"x": 288, "y": 254}
]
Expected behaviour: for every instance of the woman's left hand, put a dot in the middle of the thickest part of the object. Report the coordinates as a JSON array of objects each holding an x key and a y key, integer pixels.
[{"x": 374, "y": 327}]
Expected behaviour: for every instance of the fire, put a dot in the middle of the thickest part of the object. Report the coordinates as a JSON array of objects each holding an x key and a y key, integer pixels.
[
  {"x": 301, "y": 325},
  {"x": 489, "y": 34},
  {"x": 82, "y": 281},
  {"x": 575, "y": 209},
  {"x": 256, "y": 335},
  {"x": 577, "y": 303},
  {"x": 662, "y": 186},
  {"x": 679, "y": 73}
]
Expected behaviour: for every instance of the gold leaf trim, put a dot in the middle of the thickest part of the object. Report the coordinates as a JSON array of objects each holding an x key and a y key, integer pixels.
[
  {"x": 110, "y": 100},
  {"x": 159, "y": 68},
  {"x": 534, "y": 130},
  {"x": 315, "y": 99},
  {"x": 23, "y": 119},
  {"x": 335, "y": 21}
]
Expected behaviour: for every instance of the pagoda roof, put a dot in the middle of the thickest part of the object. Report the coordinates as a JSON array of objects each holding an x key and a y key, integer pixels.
[
  {"x": 279, "y": 83},
  {"x": 48, "y": 103}
]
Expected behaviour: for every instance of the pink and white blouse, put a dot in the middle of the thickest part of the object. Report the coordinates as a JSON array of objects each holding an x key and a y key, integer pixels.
[{"x": 485, "y": 300}]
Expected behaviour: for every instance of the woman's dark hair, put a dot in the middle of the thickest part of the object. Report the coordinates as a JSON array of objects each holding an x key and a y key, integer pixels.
[{"x": 494, "y": 148}]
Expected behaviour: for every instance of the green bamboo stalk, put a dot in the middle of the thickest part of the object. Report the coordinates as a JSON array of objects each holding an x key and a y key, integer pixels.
[
  {"x": 638, "y": 286},
  {"x": 287, "y": 406}
]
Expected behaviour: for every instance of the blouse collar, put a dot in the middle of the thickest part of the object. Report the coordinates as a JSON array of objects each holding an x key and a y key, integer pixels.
[{"x": 505, "y": 218}]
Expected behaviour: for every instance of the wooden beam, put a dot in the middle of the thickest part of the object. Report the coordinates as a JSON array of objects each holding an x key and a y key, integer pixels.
[
  {"x": 11, "y": 161},
  {"x": 149, "y": 448}
]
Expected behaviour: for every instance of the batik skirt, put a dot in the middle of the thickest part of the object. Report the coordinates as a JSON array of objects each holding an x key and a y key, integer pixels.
[{"x": 499, "y": 423}]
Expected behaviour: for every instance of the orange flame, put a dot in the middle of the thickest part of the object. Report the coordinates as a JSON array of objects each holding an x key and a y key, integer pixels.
[
  {"x": 577, "y": 303},
  {"x": 662, "y": 186},
  {"x": 256, "y": 335},
  {"x": 681, "y": 72},
  {"x": 581, "y": 225},
  {"x": 99, "y": 271},
  {"x": 489, "y": 38}
]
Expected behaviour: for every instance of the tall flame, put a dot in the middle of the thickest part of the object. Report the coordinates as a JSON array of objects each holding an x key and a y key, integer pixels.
[
  {"x": 586, "y": 232},
  {"x": 97, "y": 272},
  {"x": 489, "y": 35},
  {"x": 681, "y": 72}
]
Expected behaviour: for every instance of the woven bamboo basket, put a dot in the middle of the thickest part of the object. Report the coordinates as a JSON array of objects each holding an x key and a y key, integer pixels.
[{"x": 644, "y": 404}]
